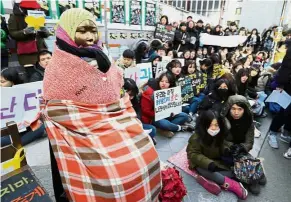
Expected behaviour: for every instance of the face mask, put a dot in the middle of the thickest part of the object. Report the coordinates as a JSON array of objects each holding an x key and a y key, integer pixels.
[
  {"x": 223, "y": 93},
  {"x": 213, "y": 132}
]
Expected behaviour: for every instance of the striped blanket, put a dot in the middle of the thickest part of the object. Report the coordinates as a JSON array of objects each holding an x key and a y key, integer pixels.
[{"x": 102, "y": 152}]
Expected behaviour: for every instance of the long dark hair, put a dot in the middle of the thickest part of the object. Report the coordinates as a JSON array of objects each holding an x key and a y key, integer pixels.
[
  {"x": 140, "y": 52},
  {"x": 241, "y": 87},
  {"x": 203, "y": 122},
  {"x": 170, "y": 78},
  {"x": 11, "y": 74},
  {"x": 187, "y": 64},
  {"x": 166, "y": 17},
  {"x": 247, "y": 116},
  {"x": 173, "y": 64}
]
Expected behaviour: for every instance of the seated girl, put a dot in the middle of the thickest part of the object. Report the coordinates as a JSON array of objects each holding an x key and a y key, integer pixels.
[
  {"x": 242, "y": 78},
  {"x": 131, "y": 88},
  {"x": 168, "y": 125},
  {"x": 217, "y": 97},
  {"x": 206, "y": 150},
  {"x": 239, "y": 118}
]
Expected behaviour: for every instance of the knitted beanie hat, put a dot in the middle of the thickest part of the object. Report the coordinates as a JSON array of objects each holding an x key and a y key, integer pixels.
[{"x": 72, "y": 18}]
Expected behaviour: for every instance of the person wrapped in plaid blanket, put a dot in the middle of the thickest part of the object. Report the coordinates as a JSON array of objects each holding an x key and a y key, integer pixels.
[{"x": 99, "y": 151}]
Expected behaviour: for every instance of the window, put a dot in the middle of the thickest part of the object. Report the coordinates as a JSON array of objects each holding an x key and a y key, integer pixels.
[{"x": 238, "y": 11}]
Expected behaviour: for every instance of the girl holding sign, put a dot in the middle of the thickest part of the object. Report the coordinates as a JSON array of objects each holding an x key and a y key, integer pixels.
[{"x": 168, "y": 125}]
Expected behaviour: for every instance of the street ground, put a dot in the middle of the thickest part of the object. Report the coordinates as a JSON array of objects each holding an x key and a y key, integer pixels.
[{"x": 278, "y": 169}]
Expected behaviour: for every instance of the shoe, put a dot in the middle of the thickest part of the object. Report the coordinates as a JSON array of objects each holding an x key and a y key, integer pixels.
[
  {"x": 235, "y": 187},
  {"x": 285, "y": 137},
  {"x": 263, "y": 181},
  {"x": 263, "y": 115},
  {"x": 255, "y": 188},
  {"x": 165, "y": 133},
  {"x": 273, "y": 140},
  {"x": 287, "y": 154},
  {"x": 257, "y": 133},
  {"x": 210, "y": 186},
  {"x": 188, "y": 128}
]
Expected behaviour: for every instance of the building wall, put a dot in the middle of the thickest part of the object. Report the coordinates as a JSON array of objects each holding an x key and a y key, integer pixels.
[{"x": 260, "y": 14}]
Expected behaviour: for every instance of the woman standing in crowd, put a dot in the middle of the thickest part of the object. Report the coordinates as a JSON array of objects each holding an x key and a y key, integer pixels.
[
  {"x": 193, "y": 35},
  {"x": 29, "y": 41},
  {"x": 80, "y": 81},
  {"x": 239, "y": 119},
  {"x": 254, "y": 40},
  {"x": 267, "y": 41},
  {"x": 217, "y": 31},
  {"x": 168, "y": 125},
  {"x": 182, "y": 38},
  {"x": 206, "y": 149}
]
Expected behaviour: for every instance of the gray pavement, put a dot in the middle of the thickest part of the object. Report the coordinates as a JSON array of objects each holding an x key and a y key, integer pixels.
[{"x": 277, "y": 168}]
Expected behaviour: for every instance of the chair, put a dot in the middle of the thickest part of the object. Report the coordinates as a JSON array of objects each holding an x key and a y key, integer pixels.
[{"x": 8, "y": 152}]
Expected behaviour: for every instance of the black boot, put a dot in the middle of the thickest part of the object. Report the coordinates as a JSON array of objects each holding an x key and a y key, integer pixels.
[{"x": 255, "y": 188}]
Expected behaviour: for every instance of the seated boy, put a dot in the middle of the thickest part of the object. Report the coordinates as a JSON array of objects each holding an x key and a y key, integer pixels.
[{"x": 127, "y": 59}]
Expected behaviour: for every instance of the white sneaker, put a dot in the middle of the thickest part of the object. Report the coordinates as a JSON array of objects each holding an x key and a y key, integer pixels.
[
  {"x": 285, "y": 138},
  {"x": 287, "y": 155},
  {"x": 257, "y": 133},
  {"x": 273, "y": 140}
]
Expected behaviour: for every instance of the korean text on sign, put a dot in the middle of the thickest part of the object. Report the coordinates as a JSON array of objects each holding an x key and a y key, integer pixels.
[
  {"x": 20, "y": 104},
  {"x": 140, "y": 74},
  {"x": 167, "y": 101}
]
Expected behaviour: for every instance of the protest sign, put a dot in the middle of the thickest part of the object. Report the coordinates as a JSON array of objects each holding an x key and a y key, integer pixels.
[
  {"x": 135, "y": 12},
  {"x": 117, "y": 10},
  {"x": 140, "y": 74},
  {"x": 186, "y": 88},
  {"x": 93, "y": 6},
  {"x": 199, "y": 82},
  {"x": 161, "y": 67},
  {"x": 22, "y": 186},
  {"x": 165, "y": 32},
  {"x": 150, "y": 14},
  {"x": 216, "y": 70},
  {"x": 167, "y": 58},
  {"x": 20, "y": 103},
  {"x": 63, "y": 5},
  {"x": 223, "y": 41},
  {"x": 180, "y": 60},
  {"x": 281, "y": 98},
  {"x": 167, "y": 102}
]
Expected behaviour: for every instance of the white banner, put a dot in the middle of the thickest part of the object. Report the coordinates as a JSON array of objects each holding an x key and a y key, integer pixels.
[
  {"x": 223, "y": 41},
  {"x": 140, "y": 74},
  {"x": 167, "y": 102},
  {"x": 20, "y": 103}
]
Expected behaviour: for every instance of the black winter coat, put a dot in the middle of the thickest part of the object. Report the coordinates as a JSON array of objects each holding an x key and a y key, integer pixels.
[{"x": 179, "y": 36}]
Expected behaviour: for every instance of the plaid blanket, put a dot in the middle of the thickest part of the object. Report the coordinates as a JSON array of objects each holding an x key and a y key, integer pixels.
[{"x": 102, "y": 152}]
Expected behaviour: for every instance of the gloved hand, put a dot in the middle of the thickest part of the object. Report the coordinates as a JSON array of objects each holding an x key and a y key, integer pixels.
[
  {"x": 43, "y": 32},
  {"x": 29, "y": 30},
  {"x": 212, "y": 167},
  {"x": 236, "y": 149}
]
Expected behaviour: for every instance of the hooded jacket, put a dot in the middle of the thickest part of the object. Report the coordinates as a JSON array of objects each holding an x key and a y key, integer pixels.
[
  {"x": 240, "y": 131},
  {"x": 16, "y": 25}
]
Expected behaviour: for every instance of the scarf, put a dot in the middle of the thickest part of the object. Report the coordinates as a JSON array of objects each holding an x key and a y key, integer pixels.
[
  {"x": 88, "y": 52},
  {"x": 102, "y": 152}
]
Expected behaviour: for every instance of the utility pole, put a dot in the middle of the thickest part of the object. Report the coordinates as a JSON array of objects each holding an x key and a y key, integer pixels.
[{"x": 280, "y": 29}]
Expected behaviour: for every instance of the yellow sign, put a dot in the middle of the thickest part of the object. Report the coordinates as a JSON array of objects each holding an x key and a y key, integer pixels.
[{"x": 35, "y": 22}]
